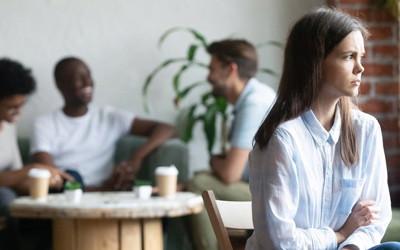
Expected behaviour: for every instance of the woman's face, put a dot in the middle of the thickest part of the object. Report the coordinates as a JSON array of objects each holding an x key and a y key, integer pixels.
[
  {"x": 343, "y": 69},
  {"x": 11, "y": 107}
]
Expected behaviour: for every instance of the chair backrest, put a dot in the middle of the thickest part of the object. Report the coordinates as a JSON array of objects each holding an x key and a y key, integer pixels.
[{"x": 227, "y": 214}]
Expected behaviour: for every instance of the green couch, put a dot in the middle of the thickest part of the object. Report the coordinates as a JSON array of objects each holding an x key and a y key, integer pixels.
[
  {"x": 393, "y": 231},
  {"x": 172, "y": 152}
]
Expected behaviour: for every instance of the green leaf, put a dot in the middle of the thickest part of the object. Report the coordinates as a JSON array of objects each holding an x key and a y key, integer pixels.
[
  {"x": 182, "y": 94},
  {"x": 269, "y": 72},
  {"x": 177, "y": 77},
  {"x": 271, "y": 43},
  {"x": 191, "y": 120},
  {"x": 151, "y": 76},
  {"x": 142, "y": 183},
  {"x": 192, "y": 52},
  {"x": 196, "y": 35},
  {"x": 72, "y": 185},
  {"x": 221, "y": 104},
  {"x": 209, "y": 125}
]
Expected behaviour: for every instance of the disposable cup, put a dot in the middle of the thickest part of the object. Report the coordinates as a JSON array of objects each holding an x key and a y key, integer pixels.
[
  {"x": 167, "y": 178},
  {"x": 39, "y": 180}
]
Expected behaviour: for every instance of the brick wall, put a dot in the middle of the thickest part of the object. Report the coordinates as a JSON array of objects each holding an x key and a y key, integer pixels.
[{"x": 379, "y": 91}]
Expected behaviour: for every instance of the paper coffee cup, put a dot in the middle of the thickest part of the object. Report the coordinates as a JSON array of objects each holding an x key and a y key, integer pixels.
[
  {"x": 39, "y": 180},
  {"x": 167, "y": 178}
]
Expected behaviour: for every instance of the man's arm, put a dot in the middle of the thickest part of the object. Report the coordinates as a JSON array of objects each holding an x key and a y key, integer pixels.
[
  {"x": 157, "y": 133},
  {"x": 229, "y": 168},
  {"x": 43, "y": 158}
]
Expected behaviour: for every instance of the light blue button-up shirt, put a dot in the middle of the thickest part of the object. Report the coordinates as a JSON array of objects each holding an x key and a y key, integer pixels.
[
  {"x": 302, "y": 192},
  {"x": 250, "y": 110}
]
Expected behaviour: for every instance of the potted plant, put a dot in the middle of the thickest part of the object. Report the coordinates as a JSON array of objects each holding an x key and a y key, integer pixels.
[
  {"x": 209, "y": 110},
  {"x": 73, "y": 191},
  {"x": 142, "y": 189}
]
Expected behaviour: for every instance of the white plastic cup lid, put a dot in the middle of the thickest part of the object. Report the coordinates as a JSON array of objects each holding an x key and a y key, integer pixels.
[
  {"x": 39, "y": 173},
  {"x": 171, "y": 170}
]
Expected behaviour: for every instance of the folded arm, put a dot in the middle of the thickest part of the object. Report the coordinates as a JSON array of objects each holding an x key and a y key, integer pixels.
[{"x": 375, "y": 188}]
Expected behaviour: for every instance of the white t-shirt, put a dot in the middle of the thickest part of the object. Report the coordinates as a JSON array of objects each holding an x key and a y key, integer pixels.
[
  {"x": 10, "y": 158},
  {"x": 85, "y": 144}
]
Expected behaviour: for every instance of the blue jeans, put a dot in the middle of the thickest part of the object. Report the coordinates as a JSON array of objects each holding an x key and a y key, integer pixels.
[
  {"x": 8, "y": 236},
  {"x": 387, "y": 246}
]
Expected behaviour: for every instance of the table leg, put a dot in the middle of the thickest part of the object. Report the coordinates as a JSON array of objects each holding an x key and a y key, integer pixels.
[
  {"x": 95, "y": 234},
  {"x": 64, "y": 234},
  {"x": 152, "y": 234},
  {"x": 107, "y": 234},
  {"x": 131, "y": 234}
]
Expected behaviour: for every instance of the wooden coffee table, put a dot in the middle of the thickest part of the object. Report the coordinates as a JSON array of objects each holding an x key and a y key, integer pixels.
[{"x": 107, "y": 220}]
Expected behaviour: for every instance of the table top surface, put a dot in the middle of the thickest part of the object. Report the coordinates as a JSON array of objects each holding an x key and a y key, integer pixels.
[{"x": 108, "y": 205}]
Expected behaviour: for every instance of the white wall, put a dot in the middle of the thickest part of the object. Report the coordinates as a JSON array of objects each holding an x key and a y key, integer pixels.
[{"x": 118, "y": 41}]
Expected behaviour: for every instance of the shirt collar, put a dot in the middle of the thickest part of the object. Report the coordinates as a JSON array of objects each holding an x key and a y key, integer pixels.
[
  {"x": 320, "y": 135},
  {"x": 246, "y": 91}
]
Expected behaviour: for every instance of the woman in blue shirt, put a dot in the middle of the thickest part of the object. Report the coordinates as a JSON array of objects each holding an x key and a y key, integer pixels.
[{"x": 317, "y": 171}]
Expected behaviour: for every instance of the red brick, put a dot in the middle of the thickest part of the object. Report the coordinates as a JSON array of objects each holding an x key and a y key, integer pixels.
[
  {"x": 390, "y": 141},
  {"x": 380, "y": 33},
  {"x": 395, "y": 196},
  {"x": 374, "y": 69},
  {"x": 371, "y": 15},
  {"x": 393, "y": 161},
  {"x": 391, "y": 51},
  {"x": 365, "y": 88},
  {"x": 389, "y": 124},
  {"x": 394, "y": 176},
  {"x": 355, "y": 1},
  {"x": 391, "y": 88},
  {"x": 374, "y": 106}
]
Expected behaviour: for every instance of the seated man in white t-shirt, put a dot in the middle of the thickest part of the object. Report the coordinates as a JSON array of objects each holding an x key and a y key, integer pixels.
[{"x": 82, "y": 137}]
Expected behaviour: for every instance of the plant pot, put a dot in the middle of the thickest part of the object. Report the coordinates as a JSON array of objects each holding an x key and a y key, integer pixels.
[
  {"x": 73, "y": 195},
  {"x": 143, "y": 192}
]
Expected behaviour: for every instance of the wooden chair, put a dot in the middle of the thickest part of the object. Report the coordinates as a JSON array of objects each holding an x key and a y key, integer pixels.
[{"x": 227, "y": 215}]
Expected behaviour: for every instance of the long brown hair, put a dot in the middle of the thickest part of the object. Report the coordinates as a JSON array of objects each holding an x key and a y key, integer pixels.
[{"x": 310, "y": 41}]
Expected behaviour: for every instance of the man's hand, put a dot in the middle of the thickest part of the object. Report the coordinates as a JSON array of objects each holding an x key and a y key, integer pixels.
[
  {"x": 362, "y": 215},
  {"x": 124, "y": 174},
  {"x": 57, "y": 175}
]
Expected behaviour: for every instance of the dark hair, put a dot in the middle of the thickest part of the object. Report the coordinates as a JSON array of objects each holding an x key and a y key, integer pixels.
[
  {"x": 15, "y": 79},
  {"x": 60, "y": 67},
  {"x": 241, "y": 52},
  {"x": 310, "y": 41}
]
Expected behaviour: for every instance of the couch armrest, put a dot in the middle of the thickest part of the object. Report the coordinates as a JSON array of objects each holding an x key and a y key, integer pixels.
[{"x": 174, "y": 151}]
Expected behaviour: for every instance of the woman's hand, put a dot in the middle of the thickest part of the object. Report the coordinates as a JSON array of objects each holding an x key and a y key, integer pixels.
[{"x": 362, "y": 215}]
